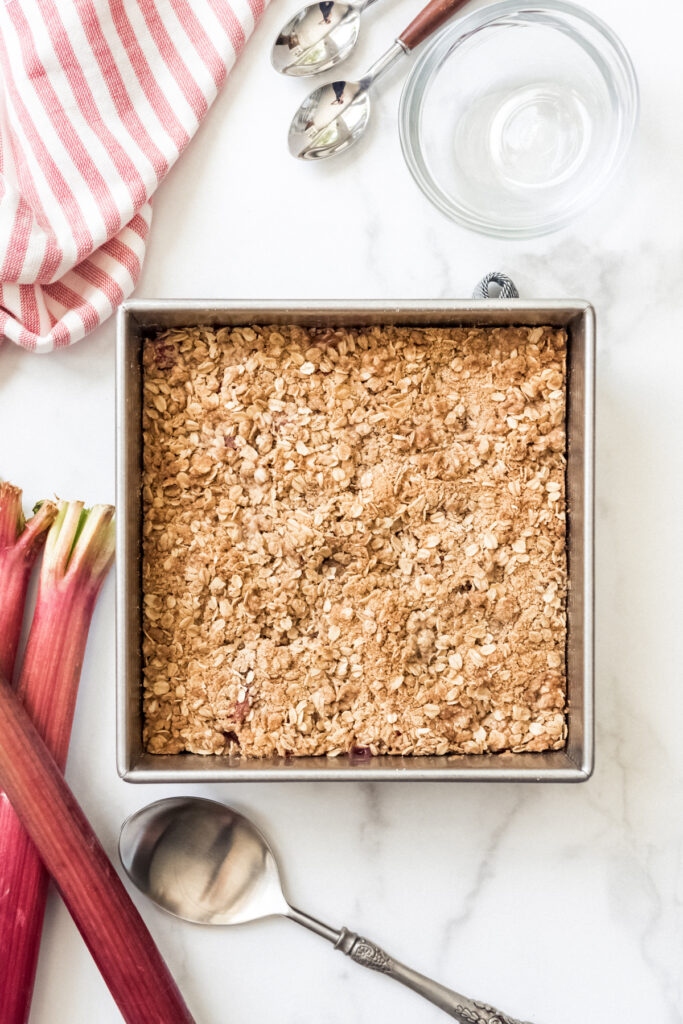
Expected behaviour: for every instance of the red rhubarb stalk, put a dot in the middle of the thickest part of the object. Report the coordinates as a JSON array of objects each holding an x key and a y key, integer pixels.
[
  {"x": 79, "y": 551},
  {"x": 20, "y": 544},
  {"x": 104, "y": 913}
]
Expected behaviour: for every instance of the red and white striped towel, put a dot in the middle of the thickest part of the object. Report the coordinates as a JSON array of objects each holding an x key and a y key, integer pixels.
[{"x": 97, "y": 100}]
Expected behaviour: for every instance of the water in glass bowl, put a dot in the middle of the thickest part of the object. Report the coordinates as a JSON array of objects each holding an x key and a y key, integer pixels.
[{"x": 518, "y": 123}]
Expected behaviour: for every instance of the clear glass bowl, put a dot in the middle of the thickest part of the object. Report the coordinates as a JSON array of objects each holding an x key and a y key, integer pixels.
[{"x": 515, "y": 118}]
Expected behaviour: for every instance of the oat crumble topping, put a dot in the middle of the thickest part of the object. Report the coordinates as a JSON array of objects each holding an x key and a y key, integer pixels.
[{"x": 354, "y": 538}]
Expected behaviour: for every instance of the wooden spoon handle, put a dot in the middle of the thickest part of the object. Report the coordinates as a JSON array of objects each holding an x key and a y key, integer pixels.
[
  {"x": 428, "y": 20},
  {"x": 104, "y": 913}
]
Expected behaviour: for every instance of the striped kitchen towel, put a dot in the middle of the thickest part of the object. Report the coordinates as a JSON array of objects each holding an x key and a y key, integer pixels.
[{"x": 97, "y": 100}]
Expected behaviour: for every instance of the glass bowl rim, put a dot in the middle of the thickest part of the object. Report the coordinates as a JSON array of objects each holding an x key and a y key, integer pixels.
[{"x": 432, "y": 59}]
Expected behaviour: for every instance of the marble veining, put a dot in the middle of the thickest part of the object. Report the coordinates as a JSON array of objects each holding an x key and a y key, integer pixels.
[{"x": 561, "y": 904}]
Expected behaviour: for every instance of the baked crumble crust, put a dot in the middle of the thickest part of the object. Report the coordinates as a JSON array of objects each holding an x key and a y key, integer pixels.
[{"x": 354, "y": 538}]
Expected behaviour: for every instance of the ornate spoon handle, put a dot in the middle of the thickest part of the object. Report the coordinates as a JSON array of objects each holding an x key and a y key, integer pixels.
[{"x": 462, "y": 1009}]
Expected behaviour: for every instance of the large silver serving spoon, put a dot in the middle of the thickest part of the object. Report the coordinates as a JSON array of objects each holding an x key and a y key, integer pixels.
[
  {"x": 335, "y": 116},
  {"x": 318, "y": 37},
  {"x": 206, "y": 863}
]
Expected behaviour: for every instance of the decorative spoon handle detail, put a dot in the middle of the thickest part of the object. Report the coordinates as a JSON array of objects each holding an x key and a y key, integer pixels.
[
  {"x": 427, "y": 21},
  {"x": 462, "y": 1009}
]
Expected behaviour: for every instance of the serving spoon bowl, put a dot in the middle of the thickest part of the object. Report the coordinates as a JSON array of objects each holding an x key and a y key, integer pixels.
[
  {"x": 318, "y": 37},
  {"x": 335, "y": 116},
  {"x": 205, "y": 862}
]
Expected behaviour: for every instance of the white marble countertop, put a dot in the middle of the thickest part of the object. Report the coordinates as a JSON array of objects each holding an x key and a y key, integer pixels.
[{"x": 563, "y": 904}]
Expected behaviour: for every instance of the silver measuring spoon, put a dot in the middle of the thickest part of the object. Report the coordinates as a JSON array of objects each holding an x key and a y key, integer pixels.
[
  {"x": 318, "y": 37},
  {"x": 206, "y": 863},
  {"x": 335, "y": 116}
]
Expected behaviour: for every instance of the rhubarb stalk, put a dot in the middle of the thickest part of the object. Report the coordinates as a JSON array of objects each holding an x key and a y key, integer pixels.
[
  {"x": 20, "y": 544},
  {"x": 79, "y": 551},
  {"x": 104, "y": 913}
]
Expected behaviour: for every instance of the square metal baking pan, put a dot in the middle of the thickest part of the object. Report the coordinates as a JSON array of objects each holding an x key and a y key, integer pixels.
[{"x": 136, "y": 321}]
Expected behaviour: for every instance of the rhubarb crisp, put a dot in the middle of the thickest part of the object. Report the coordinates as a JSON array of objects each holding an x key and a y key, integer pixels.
[{"x": 354, "y": 540}]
